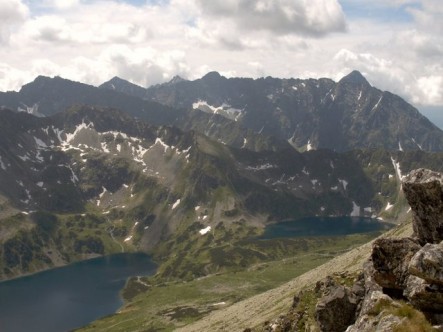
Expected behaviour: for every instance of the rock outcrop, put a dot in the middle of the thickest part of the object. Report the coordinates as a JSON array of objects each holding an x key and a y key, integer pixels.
[
  {"x": 427, "y": 263},
  {"x": 334, "y": 312},
  {"x": 424, "y": 296},
  {"x": 424, "y": 191},
  {"x": 401, "y": 287},
  {"x": 371, "y": 318},
  {"x": 336, "y": 309},
  {"x": 391, "y": 258},
  {"x": 409, "y": 269},
  {"x": 404, "y": 277}
]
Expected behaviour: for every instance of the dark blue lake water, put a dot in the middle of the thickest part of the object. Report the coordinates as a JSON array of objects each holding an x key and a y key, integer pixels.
[
  {"x": 72, "y": 296},
  {"x": 324, "y": 226}
]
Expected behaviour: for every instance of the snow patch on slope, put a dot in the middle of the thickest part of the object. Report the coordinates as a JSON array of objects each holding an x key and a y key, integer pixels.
[
  {"x": 355, "y": 210},
  {"x": 309, "y": 146},
  {"x": 261, "y": 167},
  {"x": 101, "y": 195},
  {"x": 176, "y": 204},
  {"x": 2, "y": 164},
  {"x": 378, "y": 103},
  {"x": 419, "y": 146},
  {"x": 159, "y": 141},
  {"x": 397, "y": 168},
  {"x": 74, "y": 177},
  {"x": 58, "y": 132},
  {"x": 29, "y": 197},
  {"x": 40, "y": 143},
  {"x": 388, "y": 206},
  {"x": 30, "y": 109},
  {"x": 78, "y": 129},
  {"x": 344, "y": 183},
  {"x": 25, "y": 157},
  {"x": 245, "y": 141},
  {"x": 205, "y": 230},
  {"x": 225, "y": 110},
  {"x": 105, "y": 147}
]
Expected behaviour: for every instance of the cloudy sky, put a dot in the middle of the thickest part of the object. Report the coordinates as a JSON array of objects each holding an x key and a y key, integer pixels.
[{"x": 396, "y": 44}]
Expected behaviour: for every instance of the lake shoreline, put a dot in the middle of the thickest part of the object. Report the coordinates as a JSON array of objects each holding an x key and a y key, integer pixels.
[
  {"x": 320, "y": 226},
  {"x": 71, "y": 296}
]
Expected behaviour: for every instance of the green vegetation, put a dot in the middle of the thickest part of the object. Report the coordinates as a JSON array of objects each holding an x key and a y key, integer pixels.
[
  {"x": 412, "y": 319},
  {"x": 157, "y": 305},
  {"x": 237, "y": 196},
  {"x": 45, "y": 240}
]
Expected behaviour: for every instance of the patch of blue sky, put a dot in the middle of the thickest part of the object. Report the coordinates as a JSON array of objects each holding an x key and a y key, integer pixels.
[
  {"x": 377, "y": 11},
  {"x": 38, "y": 7}
]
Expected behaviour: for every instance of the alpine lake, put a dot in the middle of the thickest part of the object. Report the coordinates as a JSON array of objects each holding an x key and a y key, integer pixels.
[
  {"x": 324, "y": 226},
  {"x": 69, "y": 297}
]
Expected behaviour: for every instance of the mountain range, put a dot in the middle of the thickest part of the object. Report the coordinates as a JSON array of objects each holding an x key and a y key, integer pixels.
[
  {"x": 266, "y": 113},
  {"x": 309, "y": 114},
  {"x": 182, "y": 169}
]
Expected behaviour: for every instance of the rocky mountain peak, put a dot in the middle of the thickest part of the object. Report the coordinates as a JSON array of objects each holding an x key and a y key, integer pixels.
[
  {"x": 117, "y": 80},
  {"x": 212, "y": 76},
  {"x": 50, "y": 85},
  {"x": 354, "y": 78},
  {"x": 319, "y": 114},
  {"x": 121, "y": 85},
  {"x": 39, "y": 81},
  {"x": 176, "y": 79}
]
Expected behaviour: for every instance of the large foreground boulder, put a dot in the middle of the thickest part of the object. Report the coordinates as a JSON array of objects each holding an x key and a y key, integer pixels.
[
  {"x": 374, "y": 318},
  {"x": 337, "y": 309},
  {"x": 424, "y": 192},
  {"x": 391, "y": 259},
  {"x": 427, "y": 264},
  {"x": 401, "y": 288},
  {"x": 424, "y": 296}
]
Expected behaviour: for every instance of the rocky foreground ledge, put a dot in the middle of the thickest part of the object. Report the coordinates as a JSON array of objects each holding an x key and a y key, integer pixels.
[
  {"x": 424, "y": 191},
  {"x": 401, "y": 286}
]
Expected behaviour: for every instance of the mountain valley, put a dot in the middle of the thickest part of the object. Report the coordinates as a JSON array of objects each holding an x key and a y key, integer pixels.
[{"x": 192, "y": 172}]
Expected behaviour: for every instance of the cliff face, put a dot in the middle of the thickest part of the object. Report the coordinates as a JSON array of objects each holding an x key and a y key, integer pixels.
[
  {"x": 401, "y": 286},
  {"x": 424, "y": 191}
]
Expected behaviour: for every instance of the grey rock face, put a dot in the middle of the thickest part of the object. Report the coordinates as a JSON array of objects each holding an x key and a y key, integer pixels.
[
  {"x": 427, "y": 263},
  {"x": 336, "y": 310},
  {"x": 388, "y": 323},
  {"x": 391, "y": 259},
  {"x": 423, "y": 190},
  {"x": 369, "y": 319},
  {"x": 403, "y": 264},
  {"x": 424, "y": 296},
  {"x": 410, "y": 268},
  {"x": 370, "y": 286}
]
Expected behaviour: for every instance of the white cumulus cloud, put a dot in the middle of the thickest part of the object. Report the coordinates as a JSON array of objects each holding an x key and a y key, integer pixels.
[
  {"x": 421, "y": 86},
  {"x": 12, "y": 14},
  {"x": 94, "y": 40},
  {"x": 304, "y": 17}
]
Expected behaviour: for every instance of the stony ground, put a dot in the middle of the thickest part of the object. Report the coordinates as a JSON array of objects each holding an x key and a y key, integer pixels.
[{"x": 257, "y": 309}]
